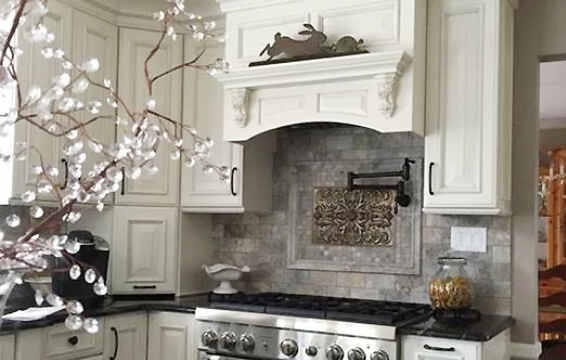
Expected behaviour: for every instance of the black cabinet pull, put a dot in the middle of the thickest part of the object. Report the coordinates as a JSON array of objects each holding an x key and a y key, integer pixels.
[
  {"x": 434, "y": 348},
  {"x": 113, "y": 329},
  {"x": 73, "y": 340},
  {"x": 430, "y": 166},
  {"x": 66, "y": 170},
  {"x": 234, "y": 169},
  {"x": 144, "y": 287},
  {"x": 123, "y": 190}
]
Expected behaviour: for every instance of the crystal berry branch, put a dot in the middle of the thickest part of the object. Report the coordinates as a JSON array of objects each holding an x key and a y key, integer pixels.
[{"x": 58, "y": 110}]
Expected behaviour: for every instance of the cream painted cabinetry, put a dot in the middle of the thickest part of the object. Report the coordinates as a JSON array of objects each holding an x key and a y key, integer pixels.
[
  {"x": 468, "y": 119},
  {"x": 161, "y": 189},
  {"x": 7, "y": 347},
  {"x": 427, "y": 348},
  {"x": 173, "y": 336},
  {"x": 83, "y": 36},
  {"x": 144, "y": 256},
  {"x": 249, "y": 188},
  {"x": 125, "y": 336},
  {"x": 93, "y": 37},
  {"x": 34, "y": 69}
]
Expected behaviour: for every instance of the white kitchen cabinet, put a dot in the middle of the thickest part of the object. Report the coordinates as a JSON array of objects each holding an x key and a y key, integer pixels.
[
  {"x": 161, "y": 189},
  {"x": 249, "y": 188},
  {"x": 7, "y": 347},
  {"x": 96, "y": 38},
  {"x": 144, "y": 256},
  {"x": 428, "y": 348},
  {"x": 468, "y": 119},
  {"x": 125, "y": 336},
  {"x": 173, "y": 336},
  {"x": 34, "y": 69}
]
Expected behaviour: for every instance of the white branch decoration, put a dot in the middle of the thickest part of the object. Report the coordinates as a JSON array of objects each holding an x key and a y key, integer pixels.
[{"x": 58, "y": 111}]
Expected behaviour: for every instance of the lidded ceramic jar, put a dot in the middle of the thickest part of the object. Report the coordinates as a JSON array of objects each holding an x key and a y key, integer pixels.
[{"x": 451, "y": 287}]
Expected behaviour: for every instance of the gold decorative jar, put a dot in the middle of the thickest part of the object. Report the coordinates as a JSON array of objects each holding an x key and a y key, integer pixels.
[{"x": 451, "y": 287}]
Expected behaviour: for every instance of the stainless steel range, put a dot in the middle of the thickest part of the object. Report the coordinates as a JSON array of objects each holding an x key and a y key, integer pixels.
[{"x": 281, "y": 326}]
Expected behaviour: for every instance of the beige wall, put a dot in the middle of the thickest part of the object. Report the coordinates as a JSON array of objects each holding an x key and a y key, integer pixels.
[
  {"x": 540, "y": 35},
  {"x": 525, "y": 164}
]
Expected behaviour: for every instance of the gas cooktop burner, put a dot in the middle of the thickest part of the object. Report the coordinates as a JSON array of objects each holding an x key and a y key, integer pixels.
[{"x": 342, "y": 309}]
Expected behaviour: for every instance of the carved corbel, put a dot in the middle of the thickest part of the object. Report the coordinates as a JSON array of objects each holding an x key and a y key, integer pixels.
[
  {"x": 387, "y": 86},
  {"x": 240, "y": 104}
]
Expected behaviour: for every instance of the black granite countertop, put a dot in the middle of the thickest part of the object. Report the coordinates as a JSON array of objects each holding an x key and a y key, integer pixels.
[
  {"x": 485, "y": 329},
  {"x": 111, "y": 307},
  {"x": 488, "y": 327}
]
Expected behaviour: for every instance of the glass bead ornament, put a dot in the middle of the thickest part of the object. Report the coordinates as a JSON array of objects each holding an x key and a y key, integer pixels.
[
  {"x": 36, "y": 212},
  {"x": 72, "y": 246},
  {"x": 74, "y": 322},
  {"x": 54, "y": 300},
  {"x": 74, "y": 307},
  {"x": 90, "y": 276},
  {"x": 75, "y": 272},
  {"x": 100, "y": 287},
  {"x": 28, "y": 196},
  {"x": 13, "y": 221},
  {"x": 39, "y": 299},
  {"x": 91, "y": 325}
]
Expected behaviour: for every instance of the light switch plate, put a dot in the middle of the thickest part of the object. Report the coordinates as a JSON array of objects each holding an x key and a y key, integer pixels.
[{"x": 468, "y": 239}]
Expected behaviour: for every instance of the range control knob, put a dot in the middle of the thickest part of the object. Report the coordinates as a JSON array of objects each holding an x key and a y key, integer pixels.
[
  {"x": 289, "y": 348},
  {"x": 356, "y": 354},
  {"x": 248, "y": 342},
  {"x": 209, "y": 338},
  {"x": 379, "y": 355},
  {"x": 228, "y": 341},
  {"x": 334, "y": 352},
  {"x": 311, "y": 351}
]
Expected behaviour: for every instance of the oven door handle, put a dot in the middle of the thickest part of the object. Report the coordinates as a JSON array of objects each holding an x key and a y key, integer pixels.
[{"x": 203, "y": 355}]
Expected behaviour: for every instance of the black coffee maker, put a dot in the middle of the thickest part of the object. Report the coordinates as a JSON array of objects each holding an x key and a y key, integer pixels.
[{"x": 94, "y": 253}]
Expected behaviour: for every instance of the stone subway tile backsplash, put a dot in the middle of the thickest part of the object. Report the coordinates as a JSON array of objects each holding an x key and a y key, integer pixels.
[{"x": 260, "y": 240}]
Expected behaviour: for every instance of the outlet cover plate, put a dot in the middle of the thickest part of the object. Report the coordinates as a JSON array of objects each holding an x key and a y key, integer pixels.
[{"x": 469, "y": 239}]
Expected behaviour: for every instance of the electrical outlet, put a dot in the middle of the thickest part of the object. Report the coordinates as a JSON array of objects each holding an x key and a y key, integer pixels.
[{"x": 468, "y": 239}]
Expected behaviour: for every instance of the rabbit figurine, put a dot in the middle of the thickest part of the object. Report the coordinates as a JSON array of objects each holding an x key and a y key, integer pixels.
[{"x": 292, "y": 47}]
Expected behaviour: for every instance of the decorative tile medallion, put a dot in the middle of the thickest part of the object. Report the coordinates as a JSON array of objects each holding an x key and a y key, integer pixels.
[{"x": 352, "y": 218}]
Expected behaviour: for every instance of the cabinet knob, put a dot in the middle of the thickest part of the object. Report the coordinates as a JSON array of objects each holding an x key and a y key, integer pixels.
[{"x": 73, "y": 340}]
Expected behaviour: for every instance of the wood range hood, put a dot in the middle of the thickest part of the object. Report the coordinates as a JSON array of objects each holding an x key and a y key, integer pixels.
[{"x": 381, "y": 90}]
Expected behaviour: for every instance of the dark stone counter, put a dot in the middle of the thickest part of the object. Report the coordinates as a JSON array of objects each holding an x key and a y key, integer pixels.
[
  {"x": 485, "y": 329},
  {"x": 183, "y": 305}
]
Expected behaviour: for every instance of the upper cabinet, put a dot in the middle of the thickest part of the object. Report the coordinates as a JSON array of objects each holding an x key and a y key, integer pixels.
[
  {"x": 250, "y": 185},
  {"x": 34, "y": 69},
  {"x": 83, "y": 37},
  {"x": 96, "y": 38},
  {"x": 135, "y": 45},
  {"x": 468, "y": 118}
]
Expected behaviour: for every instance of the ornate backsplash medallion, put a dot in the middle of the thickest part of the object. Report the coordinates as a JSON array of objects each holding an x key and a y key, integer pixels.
[{"x": 355, "y": 218}]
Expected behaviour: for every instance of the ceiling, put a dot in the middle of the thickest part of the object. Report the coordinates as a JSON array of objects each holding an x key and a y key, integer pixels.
[{"x": 552, "y": 107}]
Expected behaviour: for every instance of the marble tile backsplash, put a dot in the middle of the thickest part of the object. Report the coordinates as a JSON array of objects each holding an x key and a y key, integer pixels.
[{"x": 260, "y": 240}]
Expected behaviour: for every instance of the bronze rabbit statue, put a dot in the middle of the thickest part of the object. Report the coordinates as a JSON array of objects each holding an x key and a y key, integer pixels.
[{"x": 292, "y": 47}]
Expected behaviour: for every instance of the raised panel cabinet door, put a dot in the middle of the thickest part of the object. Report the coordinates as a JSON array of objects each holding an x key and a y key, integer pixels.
[
  {"x": 35, "y": 70},
  {"x": 203, "y": 110},
  {"x": 172, "y": 336},
  {"x": 161, "y": 189},
  {"x": 423, "y": 348},
  {"x": 95, "y": 38},
  {"x": 7, "y": 347},
  {"x": 125, "y": 337},
  {"x": 144, "y": 258},
  {"x": 462, "y": 107}
]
